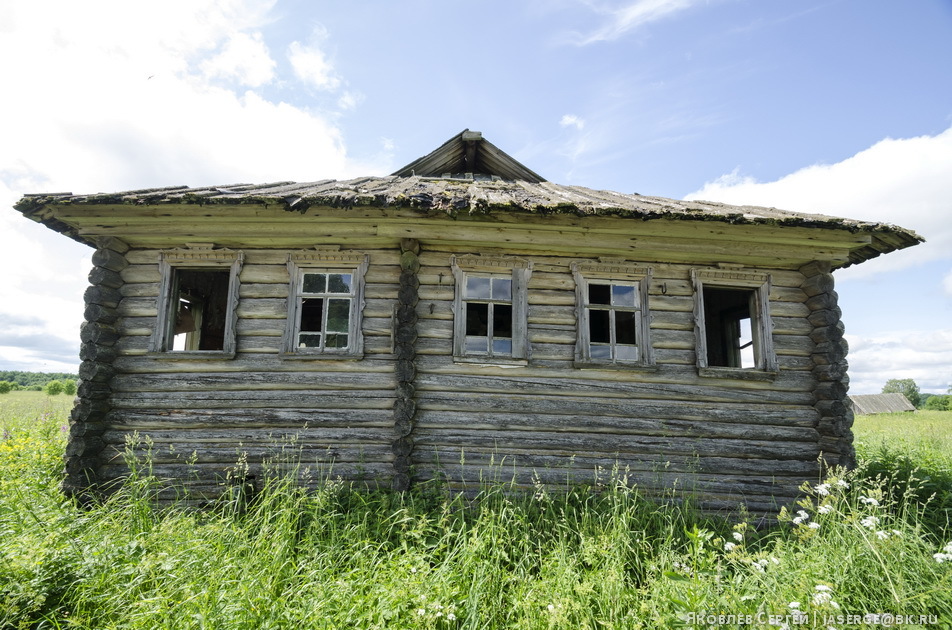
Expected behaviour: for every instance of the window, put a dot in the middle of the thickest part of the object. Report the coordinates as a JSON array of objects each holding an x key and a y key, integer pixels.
[
  {"x": 325, "y": 304},
  {"x": 732, "y": 321},
  {"x": 612, "y": 313},
  {"x": 490, "y": 309},
  {"x": 198, "y": 297}
]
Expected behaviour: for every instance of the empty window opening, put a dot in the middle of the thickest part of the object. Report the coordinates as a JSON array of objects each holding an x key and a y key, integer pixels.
[
  {"x": 199, "y": 309},
  {"x": 488, "y": 308},
  {"x": 728, "y": 325},
  {"x": 326, "y": 311},
  {"x": 612, "y": 321}
]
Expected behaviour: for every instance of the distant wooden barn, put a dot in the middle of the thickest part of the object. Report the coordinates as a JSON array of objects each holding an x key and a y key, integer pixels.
[
  {"x": 866, "y": 404},
  {"x": 462, "y": 319}
]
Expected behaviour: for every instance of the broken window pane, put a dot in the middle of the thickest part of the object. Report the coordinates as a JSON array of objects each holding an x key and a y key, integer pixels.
[
  {"x": 599, "y": 294},
  {"x": 625, "y": 327},
  {"x": 599, "y": 326},
  {"x": 502, "y": 321},
  {"x": 312, "y": 315},
  {"x": 726, "y": 313},
  {"x": 477, "y": 319},
  {"x": 200, "y": 308}
]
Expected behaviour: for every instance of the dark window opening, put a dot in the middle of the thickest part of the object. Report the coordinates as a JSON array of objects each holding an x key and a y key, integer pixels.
[
  {"x": 200, "y": 309},
  {"x": 728, "y": 327}
]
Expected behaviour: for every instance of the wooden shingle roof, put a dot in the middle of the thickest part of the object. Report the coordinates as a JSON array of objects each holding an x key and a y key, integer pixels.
[
  {"x": 867, "y": 404},
  {"x": 455, "y": 197},
  {"x": 468, "y": 155}
]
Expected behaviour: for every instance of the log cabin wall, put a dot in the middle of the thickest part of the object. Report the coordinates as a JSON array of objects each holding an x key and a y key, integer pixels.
[
  {"x": 407, "y": 409},
  {"x": 730, "y": 440},
  {"x": 199, "y": 417}
]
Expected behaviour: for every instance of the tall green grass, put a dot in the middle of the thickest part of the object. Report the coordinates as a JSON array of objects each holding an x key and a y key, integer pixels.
[{"x": 339, "y": 558}]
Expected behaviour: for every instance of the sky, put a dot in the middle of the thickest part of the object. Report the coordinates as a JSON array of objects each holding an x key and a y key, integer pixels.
[{"x": 836, "y": 106}]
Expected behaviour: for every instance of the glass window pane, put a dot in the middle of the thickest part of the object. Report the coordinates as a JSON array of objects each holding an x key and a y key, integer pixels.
[
  {"x": 502, "y": 321},
  {"x": 338, "y": 315},
  {"x": 335, "y": 340},
  {"x": 309, "y": 340},
  {"x": 339, "y": 282},
  {"x": 598, "y": 326},
  {"x": 477, "y": 319},
  {"x": 477, "y": 344},
  {"x": 599, "y": 293},
  {"x": 315, "y": 283},
  {"x": 623, "y": 295},
  {"x": 502, "y": 289},
  {"x": 502, "y": 346},
  {"x": 601, "y": 351},
  {"x": 312, "y": 315},
  {"x": 626, "y": 353},
  {"x": 477, "y": 288},
  {"x": 625, "y": 332}
]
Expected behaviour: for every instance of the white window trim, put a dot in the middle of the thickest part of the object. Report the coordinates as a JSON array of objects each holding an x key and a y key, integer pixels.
[
  {"x": 765, "y": 357},
  {"x": 198, "y": 256},
  {"x": 622, "y": 273},
  {"x": 519, "y": 271},
  {"x": 329, "y": 261}
]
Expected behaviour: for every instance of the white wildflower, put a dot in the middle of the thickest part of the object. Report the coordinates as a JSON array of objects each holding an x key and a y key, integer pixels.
[
  {"x": 729, "y": 546},
  {"x": 869, "y": 501},
  {"x": 870, "y": 522},
  {"x": 421, "y": 611},
  {"x": 550, "y": 608},
  {"x": 841, "y": 483},
  {"x": 823, "y": 489},
  {"x": 825, "y": 509},
  {"x": 948, "y": 548},
  {"x": 738, "y": 537},
  {"x": 793, "y": 605},
  {"x": 822, "y": 588},
  {"x": 412, "y": 569},
  {"x": 882, "y": 535},
  {"x": 451, "y": 616},
  {"x": 813, "y": 525},
  {"x": 774, "y": 560}
]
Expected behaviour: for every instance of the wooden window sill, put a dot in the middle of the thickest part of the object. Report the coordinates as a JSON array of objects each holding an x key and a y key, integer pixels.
[{"x": 740, "y": 374}]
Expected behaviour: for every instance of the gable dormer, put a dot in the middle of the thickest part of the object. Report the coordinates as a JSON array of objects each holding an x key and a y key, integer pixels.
[{"x": 468, "y": 155}]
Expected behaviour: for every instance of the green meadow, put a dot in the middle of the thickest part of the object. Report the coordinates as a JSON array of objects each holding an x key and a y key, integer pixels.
[{"x": 873, "y": 541}]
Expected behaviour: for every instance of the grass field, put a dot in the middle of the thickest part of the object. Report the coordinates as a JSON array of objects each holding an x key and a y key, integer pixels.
[{"x": 873, "y": 541}]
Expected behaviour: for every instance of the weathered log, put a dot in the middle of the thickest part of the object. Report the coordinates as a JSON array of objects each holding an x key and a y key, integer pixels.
[
  {"x": 100, "y": 314},
  {"x": 109, "y": 259},
  {"x": 100, "y": 276},
  {"x": 97, "y": 353},
  {"x": 102, "y": 334},
  {"x": 96, "y": 372},
  {"x": 820, "y": 283},
  {"x": 825, "y": 317}
]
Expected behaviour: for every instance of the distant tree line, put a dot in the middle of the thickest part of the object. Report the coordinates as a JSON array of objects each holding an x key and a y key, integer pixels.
[{"x": 53, "y": 383}]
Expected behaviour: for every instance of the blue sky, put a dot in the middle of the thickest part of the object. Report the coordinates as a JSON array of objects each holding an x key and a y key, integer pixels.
[{"x": 835, "y": 106}]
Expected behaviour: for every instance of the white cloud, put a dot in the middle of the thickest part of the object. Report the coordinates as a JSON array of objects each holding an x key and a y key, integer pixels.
[
  {"x": 244, "y": 58},
  {"x": 921, "y": 356},
  {"x": 571, "y": 120},
  {"x": 131, "y": 95},
  {"x": 899, "y": 181},
  {"x": 947, "y": 282},
  {"x": 311, "y": 66},
  {"x": 632, "y": 16}
]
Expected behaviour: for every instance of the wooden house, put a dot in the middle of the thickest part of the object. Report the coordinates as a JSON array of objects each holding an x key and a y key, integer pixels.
[
  {"x": 868, "y": 404},
  {"x": 462, "y": 319}
]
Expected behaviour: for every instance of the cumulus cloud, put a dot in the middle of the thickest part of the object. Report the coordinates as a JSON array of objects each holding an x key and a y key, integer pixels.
[
  {"x": 244, "y": 58},
  {"x": 622, "y": 20},
  {"x": 901, "y": 181},
  {"x": 157, "y": 94},
  {"x": 310, "y": 65},
  {"x": 921, "y": 356}
]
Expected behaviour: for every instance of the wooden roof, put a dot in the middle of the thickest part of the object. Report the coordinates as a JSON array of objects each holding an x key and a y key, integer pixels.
[
  {"x": 454, "y": 198},
  {"x": 468, "y": 155},
  {"x": 867, "y": 404}
]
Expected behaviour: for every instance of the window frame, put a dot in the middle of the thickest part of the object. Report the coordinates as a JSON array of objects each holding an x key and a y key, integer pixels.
[
  {"x": 761, "y": 325},
  {"x": 516, "y": 270},
  {"x": 199, "y": 257},
  {"x": 327, "y": 262},
  {"x": 621, "y": 273}
]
